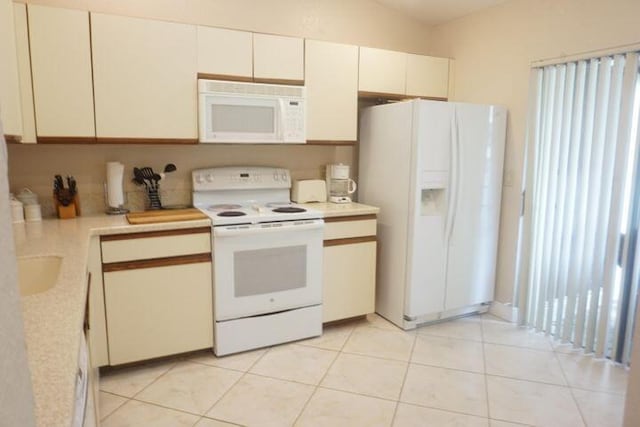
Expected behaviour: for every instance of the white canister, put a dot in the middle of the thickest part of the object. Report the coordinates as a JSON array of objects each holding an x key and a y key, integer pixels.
[
  {"x": 32, "y": 213},
  {"x": 17, "y": 211},
  {"x": 27, "y": 197}
]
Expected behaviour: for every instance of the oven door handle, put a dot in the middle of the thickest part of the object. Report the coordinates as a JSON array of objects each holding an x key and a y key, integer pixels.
[{"x": 264, "y": 229}]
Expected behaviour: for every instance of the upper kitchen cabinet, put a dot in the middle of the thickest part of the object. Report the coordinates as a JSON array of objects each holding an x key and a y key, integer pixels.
[
  {"x": 331, "y": 79},
  {"x": 382, "y": 71},
  {"x": 225, "y": 54},
  {"x": 9, "y": 86},
  {"x": 387, "y": 73},
  {"x": 144, "y": 80},
  {"x": 278, "y": 59},
  {"x": 24, "y": 73},
  {"x": 61, "y": 70},
  {"x": 427, "y": 76}
]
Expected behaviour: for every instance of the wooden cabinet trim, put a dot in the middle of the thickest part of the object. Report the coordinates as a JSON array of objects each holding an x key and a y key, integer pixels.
[
  {"x": 160, "y": 233},
  {"x": 208, "y": 76},
  {"x": 350, "y": 218},
  {"x": 13, "y": 139},
  {"x": 349, "y": 241},
  {"x": 396, "y": 96},
  {"x": 125, "y": 140},
  {"x": 156, "y": 262},
  {"x": 65, "y": 139},
  {"x": 330, "y": 142},
  {"x": 279, "y": 81}
]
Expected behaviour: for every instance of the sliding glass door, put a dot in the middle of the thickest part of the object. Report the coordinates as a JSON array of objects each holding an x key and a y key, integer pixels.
[{"x": 577, "y": 272}]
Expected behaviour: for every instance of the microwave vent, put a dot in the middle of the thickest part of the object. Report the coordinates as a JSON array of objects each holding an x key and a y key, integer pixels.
[{"x": 236, "y": 88}]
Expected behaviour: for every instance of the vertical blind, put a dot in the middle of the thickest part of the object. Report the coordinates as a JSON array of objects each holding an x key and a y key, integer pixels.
[{"x": 577, "y": 273}]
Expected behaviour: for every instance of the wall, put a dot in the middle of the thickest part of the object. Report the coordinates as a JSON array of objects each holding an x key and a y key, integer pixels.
[
  {"x": 359, "y": 22},
  {"x": 493, "y": 50},
  {"x": 34, "y": 166}
]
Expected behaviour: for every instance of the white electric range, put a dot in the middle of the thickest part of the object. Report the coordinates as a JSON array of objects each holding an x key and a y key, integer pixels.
[{"x": 267, "y": 254}]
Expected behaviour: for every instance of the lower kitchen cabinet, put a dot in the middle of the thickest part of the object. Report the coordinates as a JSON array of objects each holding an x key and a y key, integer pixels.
[
  {"x": 158, "y": 311},
  {"x": 156, "y": 295},
  {"x": 349, "y": 267}
]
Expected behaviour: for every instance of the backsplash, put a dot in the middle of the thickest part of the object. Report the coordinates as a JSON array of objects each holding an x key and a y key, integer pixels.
[{"x": 34, "y": 166}]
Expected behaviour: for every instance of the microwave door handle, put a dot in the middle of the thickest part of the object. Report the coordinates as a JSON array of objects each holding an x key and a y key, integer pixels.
[{"x": 281, "y": 117}]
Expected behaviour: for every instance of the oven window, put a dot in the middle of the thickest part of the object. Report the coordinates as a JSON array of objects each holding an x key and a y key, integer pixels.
[
  {"x": 242, "y": 118},
  {"x": 265, "y": 271}
]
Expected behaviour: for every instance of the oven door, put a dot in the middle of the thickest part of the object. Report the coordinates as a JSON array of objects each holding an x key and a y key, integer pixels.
[
  {"x": 266, "y": 268},
  {"x": 240, "y": 119}
]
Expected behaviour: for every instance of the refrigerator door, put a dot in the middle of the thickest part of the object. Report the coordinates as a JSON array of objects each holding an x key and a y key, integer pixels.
[
  {"x": 477, "y": 186},
  {"x": 426, "y": 263}
]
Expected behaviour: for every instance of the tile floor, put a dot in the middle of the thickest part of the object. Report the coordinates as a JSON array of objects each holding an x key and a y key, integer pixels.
[{"x": 477, "y": 371}]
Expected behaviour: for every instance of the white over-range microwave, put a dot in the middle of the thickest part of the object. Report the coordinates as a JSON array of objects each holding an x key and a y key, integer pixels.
[{"x": 254, "y": 113}]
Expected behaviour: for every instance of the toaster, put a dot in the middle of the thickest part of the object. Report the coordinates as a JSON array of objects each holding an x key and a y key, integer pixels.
[{"x": 309, "y": 190}]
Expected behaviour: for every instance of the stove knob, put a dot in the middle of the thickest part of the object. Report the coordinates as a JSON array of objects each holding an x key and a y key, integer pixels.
[
  {"x": 276, "y": 177},
  {"x": 210, "y": 178},
  {"x": 199, "y": 179},
  {"x": 284, "y": 176}
]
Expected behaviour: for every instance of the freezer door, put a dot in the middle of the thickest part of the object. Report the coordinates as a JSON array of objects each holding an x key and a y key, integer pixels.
[
  {"x": 476, "y": 184},
  {"x": 432, "y": 141}
]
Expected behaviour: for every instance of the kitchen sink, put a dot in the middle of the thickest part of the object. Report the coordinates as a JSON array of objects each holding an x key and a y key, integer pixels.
[{"x": 37, "y": 274}]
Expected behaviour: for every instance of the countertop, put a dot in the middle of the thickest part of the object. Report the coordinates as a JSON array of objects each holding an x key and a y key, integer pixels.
[
  {"x": 54, "y": 319},
  {"x": 330, "y": 210}
]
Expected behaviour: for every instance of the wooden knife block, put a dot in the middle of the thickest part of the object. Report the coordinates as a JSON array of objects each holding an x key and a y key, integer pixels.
[{"x": 70, "y": 211}]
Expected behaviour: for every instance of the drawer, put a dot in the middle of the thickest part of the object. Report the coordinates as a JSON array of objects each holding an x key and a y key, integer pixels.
[
  {"x": 161, "y": 244},
  {"x": 350, "y": 228}
]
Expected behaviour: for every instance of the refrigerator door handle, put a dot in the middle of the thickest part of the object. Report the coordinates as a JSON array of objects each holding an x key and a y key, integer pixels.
[
  {"x": 450, "y": 183},
  {"x": 456, "y": 175}
]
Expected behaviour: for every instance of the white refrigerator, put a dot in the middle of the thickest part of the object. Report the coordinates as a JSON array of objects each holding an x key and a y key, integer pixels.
[{"x": 435, "y": 170}]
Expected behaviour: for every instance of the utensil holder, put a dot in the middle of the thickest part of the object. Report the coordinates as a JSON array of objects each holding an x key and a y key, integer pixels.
[{"x": 154, "y": 198}]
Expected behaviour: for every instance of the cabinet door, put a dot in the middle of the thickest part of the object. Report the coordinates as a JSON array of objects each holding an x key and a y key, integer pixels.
[
  {"x": 9, "y": 88},
  {"x": 278, "y": 59},
  {"x": 331, "y": 79},
  {"x": 145, "y": 79},
  {"x": 427, "y": 76},
  {"x": 349, "y": 281},
  {"x": 24, "y": 73},
  {"x": 225, "y": 54},
  {"x": 61, "y": 69},
  {"x": 158, "y": 311},
  {"x": 382, "y": 71}
]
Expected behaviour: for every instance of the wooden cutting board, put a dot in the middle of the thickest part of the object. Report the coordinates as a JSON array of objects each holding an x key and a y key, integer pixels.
[{"x": 169, "y": 215}]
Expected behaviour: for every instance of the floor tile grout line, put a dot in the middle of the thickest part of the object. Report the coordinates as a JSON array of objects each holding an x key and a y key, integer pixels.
[
  {"x": 486, "y": 377},
  {"x": 404, "y": 379},
  {"x": 317, "y": 386},
  {"x": 573, "y": 396},
  {"x": 244, "y": 374}
]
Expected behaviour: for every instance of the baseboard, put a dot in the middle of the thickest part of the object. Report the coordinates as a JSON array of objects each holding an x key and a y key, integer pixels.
[{"x": 504, "y": 311}]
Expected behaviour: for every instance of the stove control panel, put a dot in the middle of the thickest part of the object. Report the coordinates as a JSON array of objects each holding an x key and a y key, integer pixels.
[{"x": 240, "y": 178}]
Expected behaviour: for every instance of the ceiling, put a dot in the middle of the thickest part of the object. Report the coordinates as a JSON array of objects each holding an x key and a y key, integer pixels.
[{"x": 435, "y": 12}]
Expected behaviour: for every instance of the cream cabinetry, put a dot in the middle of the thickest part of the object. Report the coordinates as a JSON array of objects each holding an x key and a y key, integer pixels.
[
  {"x": 10, "y": 108},
  {"x": 24, "y": 73},
  {"x": 278, "y": 59},
  {"x": 386, "y": 72},
  {"x": 159, "y": 302},
  {"x": 144, "y": 79},
  {"x": 349, "y": 270},
  {"x": 225, "y": 54},
  {"x": 427, "y": 76},
  {"x": 331, "y": 79},
  {"x": 382, "y": 71},
  {"x": 61, "y": 70}
]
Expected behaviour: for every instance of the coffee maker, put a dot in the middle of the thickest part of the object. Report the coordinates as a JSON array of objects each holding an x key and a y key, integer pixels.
[{"x": 339, "y": 185}]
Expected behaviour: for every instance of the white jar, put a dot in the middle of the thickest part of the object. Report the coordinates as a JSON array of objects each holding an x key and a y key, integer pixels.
[
  {"x": 17, "y": 211},
  {"x": 27, "y": 197},
  {"x": 32, "y": 213}
]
